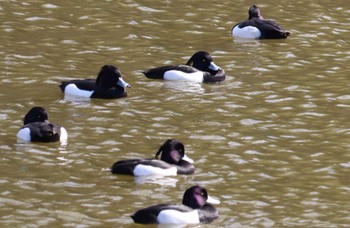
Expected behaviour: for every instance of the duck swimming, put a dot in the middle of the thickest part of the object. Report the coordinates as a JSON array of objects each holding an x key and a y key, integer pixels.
[
  {"x": 256, "y": 27},
  {"x": 109, "y": 84},
  {"x": 199, "y": 68},
  {"x": 195, "y": 208},
  {"x": 37, "y": 128},
  {"x": 172, "y": 161}
]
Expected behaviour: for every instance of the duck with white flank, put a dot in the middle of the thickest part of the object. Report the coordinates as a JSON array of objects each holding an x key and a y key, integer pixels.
[
  {"x": 172, "y": 161},
  {"x": 256, "y": 27},
  {"x": 199, "y": 68},
  {"x": 37, "y": 128},
  {"x": 195, "y": 209},
  {"x": 109, "y": 84}
]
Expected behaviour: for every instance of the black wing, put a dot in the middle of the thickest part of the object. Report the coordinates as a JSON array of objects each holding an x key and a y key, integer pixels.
[
  {"x": 44, "y": 132},
  {"x": 85, "y": 84},
  {"x": 269, "y": 29},
  {"x": 127, "y": 166},
  {"x": 158, "y": 72},
  {"x": 149, "y": 215}
]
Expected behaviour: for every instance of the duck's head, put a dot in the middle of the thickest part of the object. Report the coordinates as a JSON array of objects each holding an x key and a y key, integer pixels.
[
  {"x": 196, "y": 196},
  {"x": 203, "y": 61},
  {"x": 36, "y": 114},
  {"x": 254, "y": 12},
  {"x": 172, "y": 151},
  {"x": 110, "y": 76}
]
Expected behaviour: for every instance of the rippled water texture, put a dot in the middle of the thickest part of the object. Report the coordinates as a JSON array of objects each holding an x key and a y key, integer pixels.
[{"x": 271, "y": 142}]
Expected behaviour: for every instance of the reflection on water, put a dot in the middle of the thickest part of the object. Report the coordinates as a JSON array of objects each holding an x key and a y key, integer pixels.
[
  {"x": 160, "y": 180},
  {"x": 183, "y": 86},
  {"x": 76, "y": 100},
  {"x": 271, "y": 141}
]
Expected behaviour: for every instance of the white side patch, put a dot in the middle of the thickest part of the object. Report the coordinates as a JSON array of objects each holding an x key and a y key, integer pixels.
[
  {"x": 64, "y": 135},
  {"x": 145, "y": 170},
  {"x": 174, "y": 75},
  {"x": 249, "y": 32},
  {"x": 72, "y": 89},
  {"x": 24, "y": 134},
  {"x": 177, "y": 217}
]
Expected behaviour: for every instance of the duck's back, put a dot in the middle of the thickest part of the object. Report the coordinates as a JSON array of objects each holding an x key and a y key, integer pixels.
[
  {"x": 40, "y": 132},
  {"x": 109, "y": 93},
  {"x": 84, "y": 84},
  {"x": 141, "y": 167},
  {"x": 270, "y": 29},
  {"x": 259, "y": 29},
  {"x": 165, "y": 213},
  {"x": 159, "y": 72}
]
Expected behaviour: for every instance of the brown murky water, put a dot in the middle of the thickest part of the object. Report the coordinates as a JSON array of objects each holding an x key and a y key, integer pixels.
[{"x": 271, "y": 142}]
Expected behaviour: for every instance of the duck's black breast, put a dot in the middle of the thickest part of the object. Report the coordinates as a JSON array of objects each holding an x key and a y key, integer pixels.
[
  {"x": 85, "y": 84},
  {"x": 217, "y": 77},
  {"x": 149, "y": 215},
  {"x": 44, "y": 132},
  {"x": 207, "y": 213},
  {"x": 158, "y": 72},
  {"x": 185, "y": 167},
  {"x": 109, "y": 93},
  {"x": 127, "y": 167}
]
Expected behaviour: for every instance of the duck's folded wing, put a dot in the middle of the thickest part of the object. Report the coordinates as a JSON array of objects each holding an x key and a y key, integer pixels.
[
  {"x": 158, "y": 72},
  {"x": 270, "y": 29},
  {"x": 44, "y": 132},
  {"x": 85, "y": 84},
  {"x": 127, "y": 167},
  {"x": 160, "y": 214}
]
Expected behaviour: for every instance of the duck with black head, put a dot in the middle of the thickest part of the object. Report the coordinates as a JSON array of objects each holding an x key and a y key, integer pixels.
[
  {"x": 256, "y": 27},
  {"x": 172, "y": 161},
  {"x": 199, "y": 68},
  {"x": 109, "y": 84},
  {"x": 196, "y": 208},
  {"x": 37, "y": 128}
]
